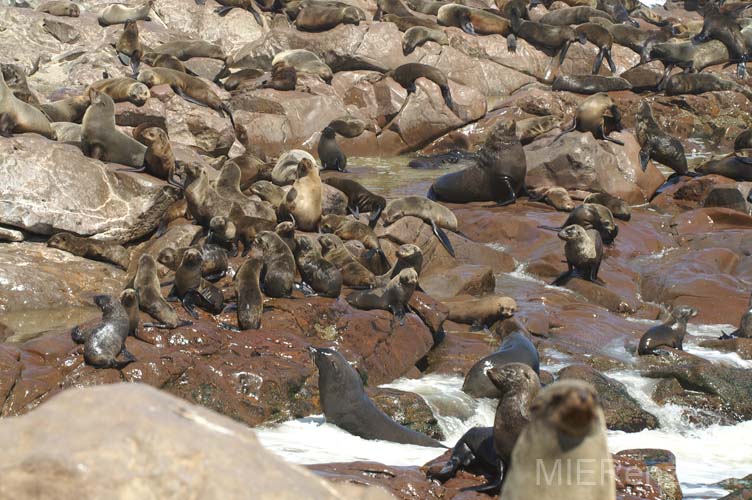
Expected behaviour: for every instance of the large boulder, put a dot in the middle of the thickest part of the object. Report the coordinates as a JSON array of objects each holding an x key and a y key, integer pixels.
[
  {"x": 46, "y": 187},
  {"x": 82, "y": 444}
]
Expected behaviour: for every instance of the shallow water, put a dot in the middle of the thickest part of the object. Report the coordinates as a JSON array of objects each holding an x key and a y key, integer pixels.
[
  {"x": 391, "y": 177},
  {"x": 34, "y": 323}
]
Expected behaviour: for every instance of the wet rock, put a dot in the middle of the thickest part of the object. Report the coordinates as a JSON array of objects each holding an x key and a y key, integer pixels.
[
  {"x": 431, "y": 312},
  {"x": 407, "y": 409},
  {"x": 90, "y": 424},
  {"x": 461, "y": 280},
  {"x": 648, "y": 474},
  {"x": 96, "y": 200},
  {"x": 622, "y": 412},
  {"x": 741, "y": 489},
  {"x": 602, "y": 295},
  {"x": 743, "y": 347}
]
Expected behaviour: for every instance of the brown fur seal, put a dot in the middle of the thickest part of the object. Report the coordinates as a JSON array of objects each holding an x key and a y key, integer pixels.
[
  {"x": 618, "y": 207},
  {"x": 248, "y": 5},
  {"x": 314, "y": 17},
  {"x": 346, "y": 404},
  {"x": 655, "y": 144},
  {"x": 743, "y": 141},
  {"x": 557, "y": 38},
  {"x": 591, "y": 216},
  {"x": 128, "y": 46},
  {"x": 406, "y": 75},
  {"x": 359, "y": 199},
  {"x": 349, "y": 229},
  {"x": 726, "y": 29},
  {"x": 472, "y": 20},
  {"x": 123, "y": 89},
  {"x": 150, "y": 299},
  {"x": 482, "y": 312},
  {"x": 191, "y": 289},
  {"x": 572, "y": 15},
  {"x": 348, "y": 126},
  {"x": 498, "y": 176},
  {"x": 100, "y": 138},
  {"x": 668, "y": 334},
  {"x": 239, "y": 78},
  {"x": 567, "y": 430},
  {"x": 18, "y": 117},
  {"x": 638, "y": 40},
  {"x": 473, "y": 452},
  {"x": 227, "y": 187},
  {"x": 15, "y": 79},
  {"x": 584, "y": 252},
  {"x": 247, "y": 227},
  {"x": 69, "y": 109},
  {"x": 286, "y": 231},
  {"x": 214, "y": 262},
  {"x": 203, "y": 200},
  {"x": 129, "y": 300},
  {"x": 435, "y": 214},
  {"x": 159, "y": 160},
  {"x": 278, "y": 271},
  {"x": 408, "y": 256},
  {"x": 190, "y": 88},
  {"x": 319, "y": 274},
  {"x": 528, "y": 129},
  {"x": 105, "y": 341},
  {"x": 699, "y": 83},
  {"x": 688, "y": 56},
  {"x": 745, "y": 325},
  {"x": 330, "y": 155},
  {"x": 304, "y": 61},
  {"x": 395, "y": 7},
  {"x": 393, "y": 297},
  {"x": 250, "y": 301},
  {"x": 557, "y": 197},
  {"x": 62, "y": 8},
  {"x": 416, "y": 36},
  {"x": 91, "y": 249},
  {"x": 303, "y": 201},
  {"x": 426, "y": 6},
  {"x": 269, "y": 192},
  {"x": 284, "y": 78},
  {"x": 598, "y": 114},
  {"x": 120, "y": 13},
  {"x": 590, "y": 84},
  {"x": 404, "y": 23},
  {"x": 738, "y": 168},
  {"x": 354, "y": 274},
  {"x": 188, "y": 49}
]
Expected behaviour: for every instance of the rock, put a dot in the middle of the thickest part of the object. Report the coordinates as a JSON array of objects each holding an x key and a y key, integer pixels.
[
  {"x": 407, "y": 409},
  {"x": 622, "y": 412},
  {"x": 96, "y": 201},
  {"x": 10, "y": 235},
  {"x": 741, "y": 489},
  {"x": 648, "y": 474},
  {"x": 461, "y": 280},
  {"x": 90, "y": 425},
  {"x": 579, "y": 161},
  {"x": 741, "y": 346},
  {"x": 734, "y": 196},
  {"x": 602, "y": 295}
]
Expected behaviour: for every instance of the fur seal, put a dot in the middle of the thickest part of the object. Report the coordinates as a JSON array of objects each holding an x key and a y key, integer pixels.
[
  {"x": 655, "y": 144},
  {"x": 743, "y": 141},
  {"x": 572, "y": 15},
  {"x": 638, "y": 40},
  {"x": 567, "y": 429},
  {"x": 699, "y": 83},
  {"x": 269, "y": 192},
  {"x": 159, "y": 159},
  {"x": 15, "y": 79},
  {"x": 286, "y": 231},
  {"x": 395, "y": 7},
  {"x": 150, "y": 299},
  {"x": 278, "y": 271},
  {"x": 251, "y": 6},
  {"x": 346, "y": 405},
  {"x": 745, "y": 325},
  {"x": 688, "y": 56},
  {"x": 515, "y": 348},
  {"x": 18, "y": 117},
  {"x": 69, "y": 109},
  {"x": 725, "y": 28},
  {"x": 330, "y": 155},
  {"x": 557, "y": 197},
  {"x": 473, "y": 452},
  {"x": 120, "y": 13},
  {"x": 409, "y": 256},
  {"x": 238, "y": 79},
  {"x": 214, "y": 262},
  {"x": 123, "y": 89},
  {"x": 129, "y": 300},
  {"x": 435, "y": 214},
  {"x": 404, "y": 23},
  {"x": 483, "y": 312},
  {"x": 549, "y": 36},
  {"x": 348, "y": 126},
  {"x": 202, "y": 198},
  {"x": 584, "y": 252},
  {"x": 393, "y": 297},
  {"x": 128, "y": 47},
  {"x": 592, "y": 216},
  {"x": 304, "y": 61},
  {"x": 359, "y": 199},
  {"x": 222, "y": 232},
  {"x": 426, "y": 6},
  {"x": 303, "y": 201},
  {"x": 617, "y": 10},
  {"x": 528, "y": 129},
  {"x": 191, "y": 289},
  {"x": 250, "y": 302},
  {"x": 247, "y": 227},
  {"x": 472, "y": 21},
  {"x": 349, "y": 229},
  {"x": 668, "y": 334},
  {"x": 105, "y": 341},
  {"x": 91, "y": 249},
  {"x": 62, "y": 8},
  {"x": 100, "y": 138},
  {"x": 314, "y": 17},
  {"x": 318, "y": 273},
  {"x": 190, "y": 88},
  {"x": 416, "y": 36},
  {"x": 618, "y": 207},
  {"x": 227, "y": 187},
  {"x": 354, "y": 274},
  {"x": 590, "y": 84},
  {"x": 738, "y": 168},
  {"x": 284, "y": 78},
  {"x": 499, "y": 174},
  {"x": 406, "y": 75},
  {"x": 598, "y": 114},
  {"x": 285, "y": 171},
  {"x": 188, "y": 49}
]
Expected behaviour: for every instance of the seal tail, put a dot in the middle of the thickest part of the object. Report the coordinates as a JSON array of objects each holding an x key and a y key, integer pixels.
[{"x": 442, "y": 236}]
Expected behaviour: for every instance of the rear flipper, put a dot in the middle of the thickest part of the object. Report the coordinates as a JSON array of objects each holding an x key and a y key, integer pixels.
[
  {"x": 563, "y": 53},
  {"x": 491, "y": 487},
  {"x": 305, "y": 289},
  {"x": 124, "y": 59},
  {"x": 354, "y": 211},
  {"x": 598, "y": 62},
  {"x": 644, "y": 158},
  {"x": 442, "y": 236},
  {"x": 512, "y": 196},
  {"x": 224, "y": 10},
  {"x": 132, "y": 169},
  {"x": 188, "y": 98},
  {"x": 127, "y": 358},
  {"x": 572, "y": 128},
  {"x": 449, "y": 470},
  {"x": 374, "y": 218},
  {"x": 398, "y": 311},
  {"x": 599, "y": 131},
  {"x": 511, "y": 43},
  {"x": 564, "y": 278},
  {"x": 610, "y": 61}
]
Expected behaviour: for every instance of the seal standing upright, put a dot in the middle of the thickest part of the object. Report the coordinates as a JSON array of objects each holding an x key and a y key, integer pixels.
[
  {"x": 330, "y": 155},
  {"x": 150, "y": 299},
  {"x": 250, "y": 303},
  {"x": 100, "y": 139},
  {"x": 317, "y": 272},
  {"x": 303, "y": 201},
  {"x": 104, "y": 342},
  {"x": 278, "y": 271},
  {"x": 18, "y": 117},
  {"x": 584, "y": 252},
  {"x": 669, "y": 334},
  {"x": 598, "y": 114}
]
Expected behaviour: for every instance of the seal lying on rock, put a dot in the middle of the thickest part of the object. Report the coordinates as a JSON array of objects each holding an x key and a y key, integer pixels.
[
  {"x": 482, "y": 312},
  {"x": 618, "y": 207},
  {"x": 346, "y": 405},
  {"x": 91, "y": 249},
  {"x": 435, "y": 214},
  {"x": 669, "y": 334},
  {"x": 359, "y": 199},
  {"x": 393, "y": 297},
  {"x": 105, "y": 341}
]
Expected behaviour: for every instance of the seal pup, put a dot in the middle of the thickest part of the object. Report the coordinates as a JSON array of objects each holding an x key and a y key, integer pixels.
[
  {"x": 359, "y": 199},
  {"x": 473, "y": 452},
  {"x": 438, "y": 216},
  {"x": 330, "y": 155},
  {"x": 129, "y": 300},
  {"x": 346, "y": 404},
  {"x": 303, "y": 201},
  {"x": 227, "y": 187},
  {"x": 566, "y": 429},
  {"x": 202, "y": 198},
  {"x": 286, "y": 231},
  {"x": 247, "y": 227},
  {"x": 100, "y": 138},
  {"x": 128, "y": 44},
  {"x": 481, "y": 312},
  {"x": 745, "y": 325},
  {"x": 191, "y": 289},
  {"x": 668, "y": 334},
  {"x": 354, "y": 274},
  {"x": 591, "y": 216},
  {"x": 406, "y": 75},
  {"x": 498, "y": 175},
  {"x": 61, "y": 8},
  {"x": 618, "y": 207},
  {"x": 409, "y": 256},
  {"x": 655, "y": 144},
  {"x": 590, "y": 84},
  {"x": 88, "y": 248},
  {"x": 250, "y": 302},
  {"x": 214, "y": 262},
  {"x": 106, "y": 341},
  {"x": 120, "y": 13},
  {"x": 150, "y": 299},
  {"x": 472, "y": 21},
  {"x": 69, "y": 109},
  {"x": 318, "y": 273},
  {"x": 15, "y": 79},
  {"x": 557, "y": 197},
  {"x": 19, "y": 117},
  {"x": 278, "y": 271},
  {"x": 515, "y": 348},
  {"x": 598, "y": 114},
  {"x": 284, "y": 78},
  {"x": 348, "y": 126},
  {"x": 393, "y": 297},
  {"x": 304, "y": 61},
  {"x": 416, "y": 36},
  {"x": 188, "y": 49},
  {"x": 348, "y": 229},
  {"x": 123, "y": 90},
  {"x": 269, "y": 192},
  {"x": 159, "y": 159},
  {"x": 584, "y": 252}
]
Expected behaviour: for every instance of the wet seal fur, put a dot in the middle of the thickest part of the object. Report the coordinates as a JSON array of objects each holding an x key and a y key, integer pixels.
[
  {"x": 320, "y": 274},
  {"x": 618, "y": 207},
  {"x": 250, "y": 301},
  {"x": 591, "y": 216},
  {"x": 435, "y": 214},
  {"x": 668, "y": 334},
  {"x": 106, "y": 341},
  {"x": 655, "y": 144},
  {"x": 598, "y": 114},
  {"x": 330, "y": 155},
  {"x": 584, "y": 252},
  {"x": 393, "y": 297},
  {"x": 473, "y": 452},
  {"x": 278, "y": 271},
  {"x": 359, "y": 199}
]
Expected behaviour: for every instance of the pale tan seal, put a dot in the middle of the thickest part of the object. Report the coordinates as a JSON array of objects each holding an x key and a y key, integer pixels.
[
  {"x": 100, "y": 138},
  {"x": 120, "y": 13},
  {"x": 18, "y": 117},
  {"x": 303, "y": 201},
  {"x": 123, "y": 90}
]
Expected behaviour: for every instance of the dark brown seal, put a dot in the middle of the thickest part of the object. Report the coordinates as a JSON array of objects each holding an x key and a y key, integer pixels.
[
  {"x": 284, "y": 77},
  {"x": 393, "y": 297},
  {"x": 557, "y": 38},
  {"x": 724, "y": 27},
  {"x": 330, "y": 155},
  {"x": 191, "y": 289},
  {"x": 416, "y": 36},
  {"x": 150, "y": 299},
  {"x": 359, "y": 199},
  {"x": 278, "y": 271},
  {"x": 318, "y": 273},
  {"x": 129, "y": 300},
  {"x": 354, "y": 274},
  {"x": 190, "y": 88},
  {"x": 250, "y": 302},
  {"x": 406, "y": 75},
  {"x": 69, "y": 109},
  {"x": 314, "y": 17},
  {"x": 91, "y": 249},
  {"x": 590, "y": 84},
  {"x": 668, "y": 334},
  {"x": 472, "y": 20},
  {"x": 584, "y": 252},
  {"x": 618, "y": 207},
  {"x": 745, "y": 325},
  {"x": 106, "y": 341},
  {"x": 655, "y": 144}
]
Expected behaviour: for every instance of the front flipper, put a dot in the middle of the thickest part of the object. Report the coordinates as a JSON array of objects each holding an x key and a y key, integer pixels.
[
  {"x": 512, "y": 196},
  {"x": 511, "y": 43},
  {"x": 189, "y": 302},
  {"x": 563, "y": 53},
  {"x": 132, "y": 169},
  {"x": 179, "y": 91},
  {"x": 224, "y": 10},
  {"x": 354, "y": 211},
  {"x": 599, "y": 131},
  {"x": 491, "y": 487},
  {"x": 442, "y": 236},
  {"x": 374, "y": 218},
  {"x": 563, "y": 278},
  {"x": 124, "y": 59},
  {"x": 644, "y": 158},
  {"x": 305, "y": 289},
  {"x": 399, "y": 313}
]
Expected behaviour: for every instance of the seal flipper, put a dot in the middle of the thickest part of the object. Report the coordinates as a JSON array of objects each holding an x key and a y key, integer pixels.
[
  {"x": 491, "y": 487},
  {"x": 727, "y": 336},
  {"x": 132, "y": 169},
  {"x": 163, "y": 326},
  {"x": 354, "y": 211},
  {"x": 572, "y": 128},
  {"x": 598, "y": 62},
  {"x": 189, "y": 303},
  {"x": 610, "y": 60},
  {"x": 128, "y": 358},
  {"x": 188, "y": 98},
  {"x": 467, "y": 26},
  {"x": 77, "y": 335},
  {"x": 374, "y": 218},
  {"x": 741, "y": 69},
  {"x": 124, "y": 59},
  {"x": 603, "y": 135},
  {"x": 442, "y": 236},
  {"x": 224, "y": 10},
  {"x": 398, "y": 311},
  {"x": 644, "y": 158},
  {"x": 511, "y": 43},
  {"x": 305, "y": 289},
  {"x": 563, "y": 53},
  {"x": 513, "y": 195}
]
